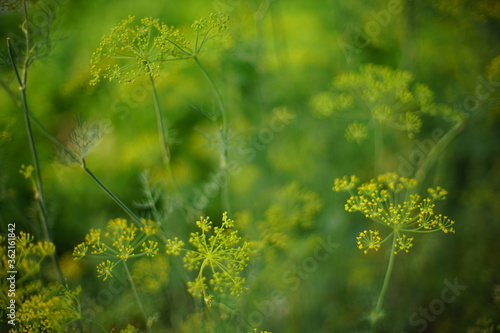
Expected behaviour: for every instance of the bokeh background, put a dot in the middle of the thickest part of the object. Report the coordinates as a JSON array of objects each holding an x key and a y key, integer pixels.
[{"x": 280, "y": 56}]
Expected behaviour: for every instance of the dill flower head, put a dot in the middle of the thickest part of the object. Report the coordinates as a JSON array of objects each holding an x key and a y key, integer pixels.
[
  {"x": 120, "y": 242},
  {"x": 390, "y": 97},
  {"x": 356, "y": 132},
  {"x": 211, "y": 27},
  {"x": 388, "y": 200},
  {"x": 219, "y": 256},
  {"x": 29, "y": 253},
  {"x": 44, "y": 308},
  {"x": 133, "y": 49},
  {"x": 368, "y": 240}
]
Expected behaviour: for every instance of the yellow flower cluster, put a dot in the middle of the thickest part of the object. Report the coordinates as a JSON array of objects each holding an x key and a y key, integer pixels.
[
  {"x": 122, "y": 241},
  {"x": 219, "y": 255},
  {"x": 388, "y": 201},
  {"x": 133, "y": 50},
  {"x": 293, "y": 209},
  {"x": 368, "y": 240},
  {"x": 382, "y": 94}
]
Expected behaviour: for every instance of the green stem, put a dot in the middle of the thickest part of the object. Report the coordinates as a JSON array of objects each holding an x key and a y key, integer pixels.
[
  {"x": 377, "y": 312},
  {"x": 162, "y": 130},
  {"x": 96, "y": 323},
  {"x": 127, "y": 210},
  {"x": 436, "y": 151},
  {"x": 224, "y": 136},
  {"x": 22, "y": 80},
  {"x": 137, "y": 299},
  {"x": 377, "y": 132}
]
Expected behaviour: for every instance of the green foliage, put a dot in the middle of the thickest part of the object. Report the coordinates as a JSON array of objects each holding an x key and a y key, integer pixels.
[{"x": 416, "y": 92}]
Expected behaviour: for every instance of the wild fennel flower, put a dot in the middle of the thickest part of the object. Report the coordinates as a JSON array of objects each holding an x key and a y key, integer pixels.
[
  {"x": 132, "y": 50},
  {"x": 388, "y": 201},
  {"x": 219, "y": 257},
  {"x": 120, "y": 242}
]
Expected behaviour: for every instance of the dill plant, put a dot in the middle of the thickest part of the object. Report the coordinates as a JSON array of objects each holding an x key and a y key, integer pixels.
[
  {"x": 41, "y": 306},
  {"x": 120, "y": 242},
  {"x": 35, "y": 44},
  {"x": 389, "y": 201},
  {"x": 376, "y": 97},
  {"x": 134, "y": 50},
  {"x": 219, "y": 256}
]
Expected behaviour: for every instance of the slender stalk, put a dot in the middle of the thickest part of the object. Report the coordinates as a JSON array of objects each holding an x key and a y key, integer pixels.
[
  {"x": 137, "y": 298},
  {"x": 378, "y": 145},
  {"x": 95, "y": 323},
  {"x": 163, "y": 131},
  {"x": 224, "y": 136},
  {"x": 377, "y": 313},
  {"x": 436, "y": 151},
  {"x": 120, "y": 203},
  {"x": 159, "y": 120},
  {"x": 22, "y": 79}
]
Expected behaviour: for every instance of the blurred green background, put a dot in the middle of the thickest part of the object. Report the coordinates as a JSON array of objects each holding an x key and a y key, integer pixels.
[{"x": 281, "y": 55}]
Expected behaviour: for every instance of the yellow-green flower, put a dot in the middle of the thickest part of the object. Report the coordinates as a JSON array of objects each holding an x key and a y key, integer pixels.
[
  {"x": 135, "y": 49},
  {"x": 403, "y": 243},
  {"x": 219, "y": 256},
  {"x": 368, "y": 240},
  {"x": 121, "y": 242},
  {"x": 387, "y": 200},
  {"x": 105, "y": 269},
  {"x": 356, "y": 132}
]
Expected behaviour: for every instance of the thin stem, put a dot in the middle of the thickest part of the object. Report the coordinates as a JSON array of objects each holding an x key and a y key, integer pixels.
[
  {"x": 95, "y": 323},
  {"x": 159, "y": 120},
  {"x": 377, "y": 312},
  {"x": 436, "y": 151},
  {"x": 377, "y": 132},
  {"x": 137, "y": 298},
  {"x": 40, "y": 193},
  {"x": 163, "y": 131},
  {"x": 224, "y": 136},
  {"x": 120, "y": 203}
]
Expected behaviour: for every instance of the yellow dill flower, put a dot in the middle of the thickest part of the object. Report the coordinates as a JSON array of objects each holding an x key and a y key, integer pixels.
[
  {"x": 105, "y": 269},
  {"x": 26, "y": 170},
  {"x": 218, "y": 254},
  {"x": 121, "y": 242},
  {"x": 132, "y": 50},
  {"x": 403, "y": 244},
  {"x": 44, "y": 308},
  {"x": 368, "y": 240},
  {"x": 174, "y": 246},
  {"x": 388, "y": 201},
  {"x": 345, "y": 183},
  {"x": 390, "y": 97},
  {"x": 356, "y": 132}
]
